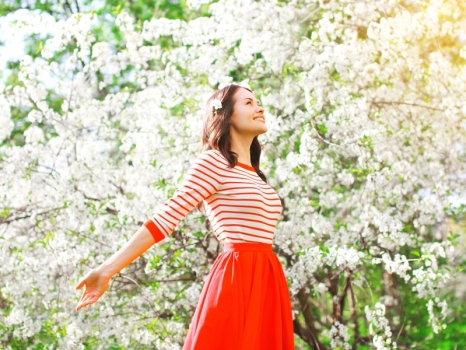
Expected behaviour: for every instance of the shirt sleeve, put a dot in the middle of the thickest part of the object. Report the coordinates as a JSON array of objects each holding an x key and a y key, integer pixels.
[{"x": 202, "y": 180}]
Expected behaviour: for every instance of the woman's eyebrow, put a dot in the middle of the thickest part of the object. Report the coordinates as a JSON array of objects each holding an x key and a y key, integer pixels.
[{"x": 248, "y": 98}]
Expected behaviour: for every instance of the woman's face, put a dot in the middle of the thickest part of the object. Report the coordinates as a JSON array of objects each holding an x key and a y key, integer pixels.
[{"x": 248, "y": 115}]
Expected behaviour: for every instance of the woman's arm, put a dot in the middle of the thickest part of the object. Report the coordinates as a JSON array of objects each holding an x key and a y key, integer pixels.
[
  {"x": 136, "y": 246},
  {"x": 96, "y": 280},
  {"x": 201, "y": 181}
]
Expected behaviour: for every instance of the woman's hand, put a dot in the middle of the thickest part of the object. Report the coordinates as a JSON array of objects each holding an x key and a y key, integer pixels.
[
  {"x": 96, "y": 280},
  {"x": 96, "y": 283}
]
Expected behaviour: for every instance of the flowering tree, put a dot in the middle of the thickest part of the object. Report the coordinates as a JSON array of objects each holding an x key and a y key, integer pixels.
[{"x": 367, "y": 123}]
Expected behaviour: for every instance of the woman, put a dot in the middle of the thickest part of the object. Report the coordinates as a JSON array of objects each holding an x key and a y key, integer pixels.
[{"x": 244, "y": 303}]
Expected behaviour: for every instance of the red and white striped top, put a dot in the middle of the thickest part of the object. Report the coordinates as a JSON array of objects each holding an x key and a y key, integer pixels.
[{"x": 239, "y": 204}]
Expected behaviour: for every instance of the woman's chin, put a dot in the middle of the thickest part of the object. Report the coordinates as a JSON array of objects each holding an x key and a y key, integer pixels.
[{"x": 262, "y": 130}]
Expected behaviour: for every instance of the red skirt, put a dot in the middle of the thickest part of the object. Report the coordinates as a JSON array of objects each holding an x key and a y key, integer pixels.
[{"x": 244, "y": 304}]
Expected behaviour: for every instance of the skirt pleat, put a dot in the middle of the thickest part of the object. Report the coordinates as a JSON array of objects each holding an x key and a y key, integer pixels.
[{"x": 244, "y": 303}]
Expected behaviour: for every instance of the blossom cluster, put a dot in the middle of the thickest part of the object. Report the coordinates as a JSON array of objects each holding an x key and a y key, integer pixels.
[{"x": 380, "y": 327}]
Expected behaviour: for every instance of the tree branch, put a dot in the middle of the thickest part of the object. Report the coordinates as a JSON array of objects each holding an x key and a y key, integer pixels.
[
  {"x": 311, "y": 332},
  {"x": 342, "y": 298}
]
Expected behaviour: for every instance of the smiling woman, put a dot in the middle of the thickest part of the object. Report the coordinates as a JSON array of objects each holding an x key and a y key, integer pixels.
[
  {"x": 245, "y": 302},
  {"x": 234, "y": 128}
]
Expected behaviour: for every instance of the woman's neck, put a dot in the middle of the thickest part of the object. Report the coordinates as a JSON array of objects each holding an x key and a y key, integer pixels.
[{"x": 241, "y": 145}]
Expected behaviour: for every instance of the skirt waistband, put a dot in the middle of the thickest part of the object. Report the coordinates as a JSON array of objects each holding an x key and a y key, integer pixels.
[{"x": 246, "y": 247}]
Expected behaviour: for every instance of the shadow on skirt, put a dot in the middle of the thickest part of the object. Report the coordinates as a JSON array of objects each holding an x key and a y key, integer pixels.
[{"x": 244, "y": 304}]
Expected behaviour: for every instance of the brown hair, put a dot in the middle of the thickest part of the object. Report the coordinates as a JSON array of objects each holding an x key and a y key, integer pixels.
[{"x": 216, "y": 130}]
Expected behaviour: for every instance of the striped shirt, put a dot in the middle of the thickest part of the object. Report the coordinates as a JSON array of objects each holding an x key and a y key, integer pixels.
[{"x": 239, "y": 204}]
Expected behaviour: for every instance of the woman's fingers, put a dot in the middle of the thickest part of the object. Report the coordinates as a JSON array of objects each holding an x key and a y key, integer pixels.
[
  {"x": 86, "y": 299},
  {"x": 81, "y": 283},
  {"x": 82, "y": 302},
  {"x": 84, "y": 281}
]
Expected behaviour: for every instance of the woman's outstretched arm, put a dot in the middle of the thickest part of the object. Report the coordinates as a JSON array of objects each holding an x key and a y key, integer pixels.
[
  {"x": 201, "y": 181},
  {"x": 96, "y": 280}
]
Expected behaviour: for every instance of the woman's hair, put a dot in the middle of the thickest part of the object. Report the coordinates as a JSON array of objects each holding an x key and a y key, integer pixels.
[{"x": 216, "y": 129}]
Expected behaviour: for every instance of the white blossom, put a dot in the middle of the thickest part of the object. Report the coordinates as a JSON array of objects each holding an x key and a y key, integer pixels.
[{"x": 216, "y": 104}]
